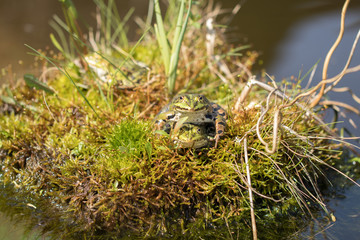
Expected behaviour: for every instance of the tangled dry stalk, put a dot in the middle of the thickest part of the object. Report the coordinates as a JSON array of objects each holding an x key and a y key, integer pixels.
[
  {"x": 314, "y": 101},
  {"x": 287, "y": 102}
]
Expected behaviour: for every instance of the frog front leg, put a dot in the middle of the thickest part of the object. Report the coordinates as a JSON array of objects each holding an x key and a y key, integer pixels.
[
  {"x": 163, "y": 119},
  {"x": 220, "y": 117}
]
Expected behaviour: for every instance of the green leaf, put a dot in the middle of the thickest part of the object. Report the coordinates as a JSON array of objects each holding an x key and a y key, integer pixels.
[
  {"x": 148, "y": 149},
  {"x": 161, "y": 132},
  {"x": 162, "y": 148},
  {"x": 8, "y": 91},
  {"x": 179, "y": 124},
  {"x": 8, "y": 100},
  {"x": 34, "y": 82}
]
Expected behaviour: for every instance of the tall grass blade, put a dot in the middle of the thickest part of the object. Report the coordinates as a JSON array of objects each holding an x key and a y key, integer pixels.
[
  {"x": 178, "y": 26},
  {"x": 120, "y": 32},
  {"x": 70, "y": 14},
  {"x": 57, "y": 44},
  {"x": 108, "y": 23},
  {"x": 176, "y": 50},
  {"x": 64, "y": 44},
  {"x": 150, "y": 13},
  {"x": 161, "y": 37}
]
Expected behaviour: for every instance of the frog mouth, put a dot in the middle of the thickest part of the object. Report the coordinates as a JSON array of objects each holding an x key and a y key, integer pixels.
[
  {"x": 196, "y": 143},
  {"x": 204, "y": 108}
]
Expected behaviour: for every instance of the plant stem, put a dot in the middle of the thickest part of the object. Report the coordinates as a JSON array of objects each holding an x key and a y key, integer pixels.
[{"x": 253, "y": 221}]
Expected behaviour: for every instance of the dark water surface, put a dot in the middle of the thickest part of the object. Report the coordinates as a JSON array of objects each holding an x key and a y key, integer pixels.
[{"x": 291, "y": 36}]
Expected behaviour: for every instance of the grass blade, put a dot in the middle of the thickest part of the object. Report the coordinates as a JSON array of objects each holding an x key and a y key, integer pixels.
[
  {"x": 178, "y": 26},
  {"x": 175, "y": 55},
  {"x": 108, "y": 23},
  {"x": 63, "y": 71},
  {"x": 56, "y": 43},
  {"x": 161, "y": 36}
]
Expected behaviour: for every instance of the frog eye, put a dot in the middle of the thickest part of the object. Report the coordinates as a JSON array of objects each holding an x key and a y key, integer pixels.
[
  {"x": 200, "y": 98},
  {"x": 199, "y": 130},
  {"x": 181, "y": 97}
]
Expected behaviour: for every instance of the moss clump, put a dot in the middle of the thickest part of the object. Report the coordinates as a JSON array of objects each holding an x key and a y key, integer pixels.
[{"x": 100, "y": 172}]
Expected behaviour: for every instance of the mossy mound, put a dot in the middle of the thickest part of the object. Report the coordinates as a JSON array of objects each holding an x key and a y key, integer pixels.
[
  {"x": 97, "y": 170},
  {"x": 86, "y": 175}
]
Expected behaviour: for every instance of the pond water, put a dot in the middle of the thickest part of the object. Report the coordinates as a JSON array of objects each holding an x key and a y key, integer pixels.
[{"x": 291, "y": 36}]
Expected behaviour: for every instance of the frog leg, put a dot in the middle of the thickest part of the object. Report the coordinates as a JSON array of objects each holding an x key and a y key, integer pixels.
[
  {"x": 220, "y": 126},
  {"x": 220, "y": 121},
  {"x": 162, "y": 118}
]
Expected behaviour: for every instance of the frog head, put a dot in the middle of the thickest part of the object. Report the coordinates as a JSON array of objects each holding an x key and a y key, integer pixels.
[
  {"x": 190, "y": 103},
  {"x": 191, "y": 136}
]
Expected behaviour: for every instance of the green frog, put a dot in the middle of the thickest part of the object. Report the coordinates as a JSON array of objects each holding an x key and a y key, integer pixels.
[
  {"x": 191, "y": 136},
  {"x": 126, "y": 75},
  {"x": 197, "y": 109}
]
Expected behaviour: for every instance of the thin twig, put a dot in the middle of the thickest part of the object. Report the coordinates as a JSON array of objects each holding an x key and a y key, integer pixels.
[
  {"x": 237, "y": 170},
  {"x": 311, "y": 77},
  {"x": 253, "y": 220},
  {"x": 47, "y": 106},
  {"x": 277, "y": 121},
  {"x": 43, "y": 75},
  {"x": 334, "y": 80},
  {"x": 331, "y": 51},
  {"x": 347, "y": 89},
  {"x": 340, "y": 104},
  {"x": 337, "y": 42},
  {"x": 329, "y": 88}
]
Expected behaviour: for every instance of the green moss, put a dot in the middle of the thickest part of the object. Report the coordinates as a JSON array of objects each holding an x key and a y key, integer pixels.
[{"x": 126, "y": 145}]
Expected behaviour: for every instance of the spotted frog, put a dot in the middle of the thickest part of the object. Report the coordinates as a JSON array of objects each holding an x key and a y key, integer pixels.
[
  {"x": 191, "y": 136},
  {"x": 197, "y": 110},
  {"x": 125, "y": 74}
]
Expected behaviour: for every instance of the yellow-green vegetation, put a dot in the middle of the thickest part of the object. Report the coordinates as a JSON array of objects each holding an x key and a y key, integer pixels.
[{"x": 79, "y": 157}]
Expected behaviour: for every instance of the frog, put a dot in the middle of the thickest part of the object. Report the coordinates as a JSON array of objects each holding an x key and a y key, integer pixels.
[
  {"x": 126, "y": 74},
  {"x": 197, "y": 109},
  {"x": 191, "y": 136}
]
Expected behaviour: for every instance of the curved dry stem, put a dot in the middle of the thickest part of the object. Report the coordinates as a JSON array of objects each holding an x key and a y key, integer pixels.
[
  {"x": 337, "y": 42},
  {"x": 341, "y": 104},
  {"x": 43, "y": 75},
  {"x": 331, "y": 51},
  {"x": 277, "y": 121},
  {"x": 284, "y": 97},
  {"x": 347, "y": 89},
  {"x": 345, "y": 71},
  {"x": 260, "y": 120},
  {"x": 329, "y": 88}
]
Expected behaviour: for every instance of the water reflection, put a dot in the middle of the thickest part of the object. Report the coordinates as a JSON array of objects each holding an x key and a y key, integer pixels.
[
  {"x": 267, "y": 25},
  {"x": 27, "y": 22}
]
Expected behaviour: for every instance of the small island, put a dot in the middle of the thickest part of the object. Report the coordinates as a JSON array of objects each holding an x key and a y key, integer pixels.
[{"x": 83, "y": 155}]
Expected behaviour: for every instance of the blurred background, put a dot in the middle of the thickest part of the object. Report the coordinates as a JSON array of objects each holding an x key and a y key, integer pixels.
[{"x": 291, "y": 37}]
